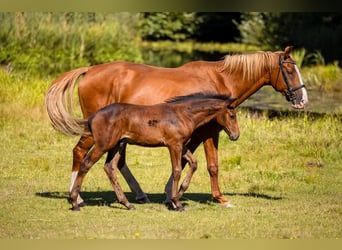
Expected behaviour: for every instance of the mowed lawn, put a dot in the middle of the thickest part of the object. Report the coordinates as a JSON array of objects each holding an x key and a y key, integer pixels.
[{"x": 284, "y": 176}]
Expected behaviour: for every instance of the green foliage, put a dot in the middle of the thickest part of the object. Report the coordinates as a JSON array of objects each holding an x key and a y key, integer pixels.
[
  {"x": 175, "y": 26},
  {"x": 252, "y": 28},
  {"x": 313, "y": 31},
  {"x": 173, "y": 54},
  {"x": 49, "y": 43},
  {"x": 325, "y": 78},
  {"x": 321, "y": 76}
]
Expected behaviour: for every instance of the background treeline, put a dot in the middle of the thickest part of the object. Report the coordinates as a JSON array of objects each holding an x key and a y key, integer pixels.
[{"x": 56, "y": 42}]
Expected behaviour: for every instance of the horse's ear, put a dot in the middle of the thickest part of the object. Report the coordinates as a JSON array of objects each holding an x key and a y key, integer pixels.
[{"x": 288, "y": 50}]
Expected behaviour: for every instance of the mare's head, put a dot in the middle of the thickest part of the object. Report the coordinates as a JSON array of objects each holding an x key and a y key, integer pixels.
[
  {"x": 227, "y": 119},
  {"x": 286, "y": 79}
]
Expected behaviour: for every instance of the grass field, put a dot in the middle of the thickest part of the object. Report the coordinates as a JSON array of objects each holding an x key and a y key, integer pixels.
[{"x": 283, "y": 175}]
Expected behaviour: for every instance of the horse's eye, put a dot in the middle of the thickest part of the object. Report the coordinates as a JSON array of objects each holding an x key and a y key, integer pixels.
[{"x": 232, "y": 116}]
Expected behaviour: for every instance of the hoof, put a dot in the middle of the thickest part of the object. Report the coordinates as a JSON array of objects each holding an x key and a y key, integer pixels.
[
  {"x": 228, "y": 205},
  {"x": 171, "y": 206},
  {"x": 75, "y": 209},
  {"x": 142, "y": 200},
  {"x": 82, "y": 204},
  {"x": 180, "y": 209},
  {"x": 131, "y": 208}
]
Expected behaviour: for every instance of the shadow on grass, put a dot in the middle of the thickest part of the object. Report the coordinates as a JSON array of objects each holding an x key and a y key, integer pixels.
[
  {"x": 105, "y": 198},
  {"x": 255, "y": 195}
]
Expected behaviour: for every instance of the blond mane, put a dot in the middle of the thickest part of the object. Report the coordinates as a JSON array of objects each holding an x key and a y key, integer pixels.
[{"x": 251, "y": 66}]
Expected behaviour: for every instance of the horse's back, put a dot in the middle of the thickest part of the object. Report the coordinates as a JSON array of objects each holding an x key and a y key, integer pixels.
[{"x": 136, "y": 83}]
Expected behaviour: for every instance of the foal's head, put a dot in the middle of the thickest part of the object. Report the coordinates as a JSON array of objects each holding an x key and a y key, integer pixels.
[
  {"x": 227, "y": 119},
  {"x": 225, "y": 113}
]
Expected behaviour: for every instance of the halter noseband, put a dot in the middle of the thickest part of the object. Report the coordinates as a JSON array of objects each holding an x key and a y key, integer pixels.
[{"x": 290, "y": 93}]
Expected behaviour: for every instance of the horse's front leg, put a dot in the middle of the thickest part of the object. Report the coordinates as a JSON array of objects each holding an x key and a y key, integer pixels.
[
  {"x": 133, "y": 184},
  {"x": 193, "y": 166},
  {"x": 110, "y": 169},
  {"x": 79, "y": 152},
  {"x": 176, "y": 160},
  {"x": 210, "y": 148}
]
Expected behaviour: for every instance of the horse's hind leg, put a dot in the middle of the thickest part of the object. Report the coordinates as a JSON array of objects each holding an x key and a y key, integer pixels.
[
  {"x": 110, "y": 169},
  {"x": 79, "y": 152},
  {"x": 85, "y": 165},
  {"x": 193, "y": 166},
  {"x": 133, "y": 184}
]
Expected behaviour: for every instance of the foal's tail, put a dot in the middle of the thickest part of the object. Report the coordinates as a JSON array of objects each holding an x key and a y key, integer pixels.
[{"x": 59, "y": 102}]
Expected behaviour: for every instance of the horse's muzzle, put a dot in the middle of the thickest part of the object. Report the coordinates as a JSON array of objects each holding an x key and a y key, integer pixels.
[{"x": 234, "y": 137}]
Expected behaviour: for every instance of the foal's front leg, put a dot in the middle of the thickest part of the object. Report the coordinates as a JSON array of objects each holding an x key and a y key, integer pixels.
[{"x": 176, "y": 160}]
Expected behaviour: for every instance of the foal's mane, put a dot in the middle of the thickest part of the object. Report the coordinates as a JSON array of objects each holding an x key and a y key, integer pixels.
[
  {"x": 251, "y": 65},
  {"x": 198, "y": 96}
]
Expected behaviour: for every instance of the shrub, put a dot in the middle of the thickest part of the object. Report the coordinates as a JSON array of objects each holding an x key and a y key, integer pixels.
[{"x": 50, "y": 43}]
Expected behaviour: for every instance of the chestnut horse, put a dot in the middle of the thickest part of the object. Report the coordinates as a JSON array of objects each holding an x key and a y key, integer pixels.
[
  {"x": 239, "y": 76},
  {"x": 167, "y": 124}
]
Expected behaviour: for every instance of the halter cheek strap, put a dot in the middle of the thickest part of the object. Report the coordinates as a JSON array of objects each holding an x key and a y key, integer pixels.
[{"x": 290, "y": 93}]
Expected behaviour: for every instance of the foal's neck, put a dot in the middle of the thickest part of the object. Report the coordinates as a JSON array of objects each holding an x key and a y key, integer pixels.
[{"x": 205, "y": 112}]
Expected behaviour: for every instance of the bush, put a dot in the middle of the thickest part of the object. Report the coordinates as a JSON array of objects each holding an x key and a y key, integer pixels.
[
  {"x": 50, "y": 43},
  {"x": 316, "y": 32}
]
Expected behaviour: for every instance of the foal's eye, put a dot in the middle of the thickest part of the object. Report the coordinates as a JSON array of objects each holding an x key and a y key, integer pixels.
[{"x": 232, "y": 116}]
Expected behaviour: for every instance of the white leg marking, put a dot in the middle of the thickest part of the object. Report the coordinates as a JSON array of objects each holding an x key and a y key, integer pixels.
[{"x": 73, "y": 178}]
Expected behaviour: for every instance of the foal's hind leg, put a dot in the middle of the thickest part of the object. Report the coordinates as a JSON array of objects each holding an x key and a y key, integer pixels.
[
  {"x": 110, "y": 169},
  {"x": 79, "y": 152}
]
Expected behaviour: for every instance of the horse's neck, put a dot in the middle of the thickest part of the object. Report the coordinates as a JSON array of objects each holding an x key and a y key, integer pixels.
[
  {"x": 247, "y": 89},
  {"x": 225, "y": 83},
  {"x": 232, "y": 84}
]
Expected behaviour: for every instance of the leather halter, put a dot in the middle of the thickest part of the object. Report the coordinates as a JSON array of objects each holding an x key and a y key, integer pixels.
[{"x": 290, "y": 93}]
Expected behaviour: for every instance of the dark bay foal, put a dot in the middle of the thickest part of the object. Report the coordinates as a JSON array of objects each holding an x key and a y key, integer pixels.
[{"x": 168, "y": 124}]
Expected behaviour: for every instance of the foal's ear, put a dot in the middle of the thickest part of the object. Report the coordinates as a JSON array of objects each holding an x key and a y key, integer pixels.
[{"x": 229, "y": 105}]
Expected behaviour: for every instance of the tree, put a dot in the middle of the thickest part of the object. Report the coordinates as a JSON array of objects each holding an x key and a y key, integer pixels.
[
  {"x": 320, "y": 32},
  {"x": 175, "y": 26}
]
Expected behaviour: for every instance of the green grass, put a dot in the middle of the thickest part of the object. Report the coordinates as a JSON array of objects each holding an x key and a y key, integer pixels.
[{"x": 283, "y": 174}]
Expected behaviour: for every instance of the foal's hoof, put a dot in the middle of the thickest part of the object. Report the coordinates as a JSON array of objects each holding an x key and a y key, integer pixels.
[
  {"x": 75, "y": 209},
  {"x": 171, "y": 206},
  {"x": 82, "y": 204},
  {"x": 180, "y": 209},
  {"x": 131, "y": 207}
]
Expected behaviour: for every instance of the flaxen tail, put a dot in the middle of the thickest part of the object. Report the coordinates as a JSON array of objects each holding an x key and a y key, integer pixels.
[{"x": 58, "y": 101}]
